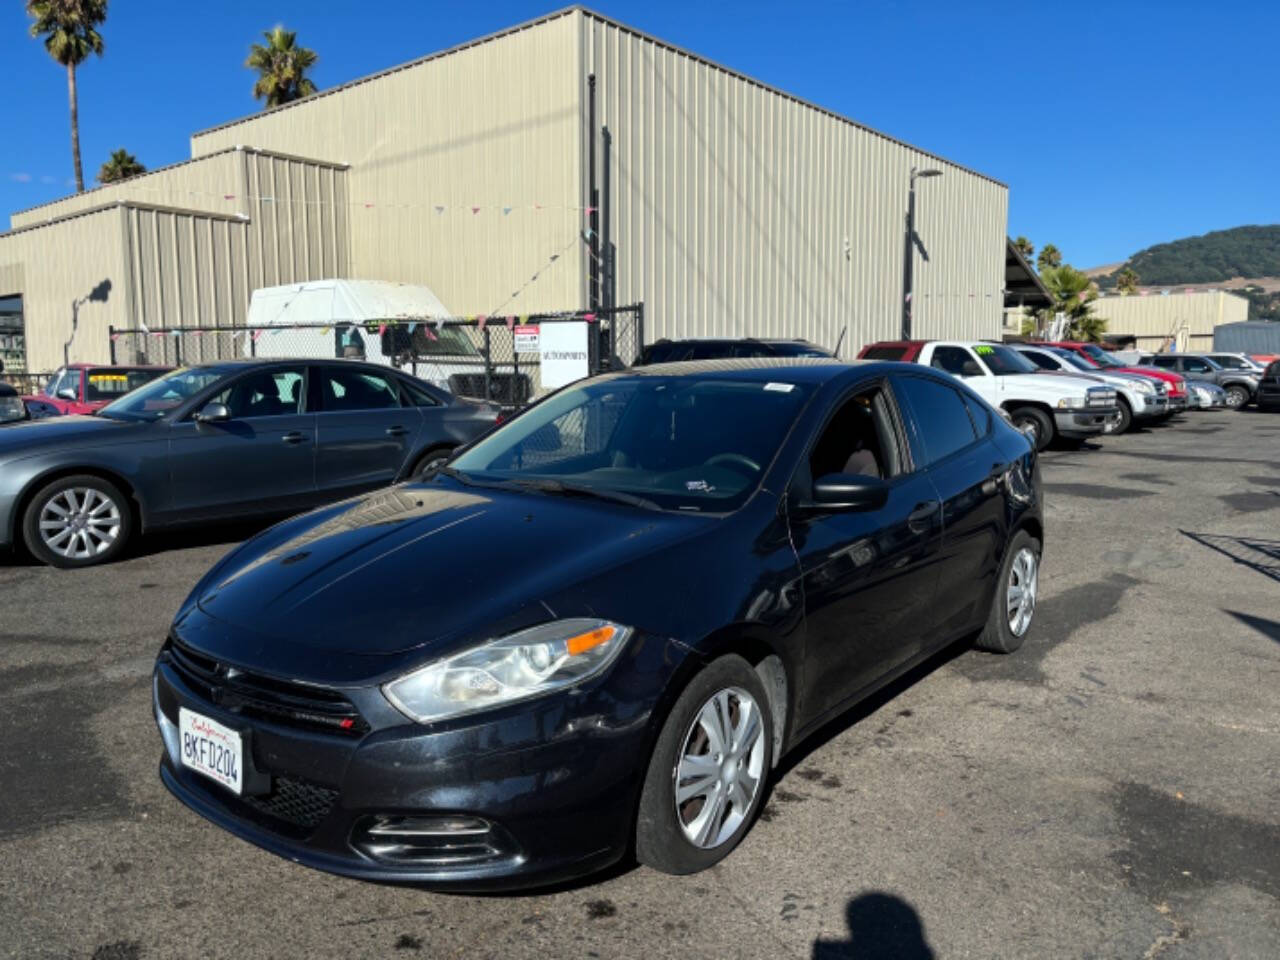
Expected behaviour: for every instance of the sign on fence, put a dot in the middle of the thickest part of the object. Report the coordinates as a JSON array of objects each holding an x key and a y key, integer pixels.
[
  {"x": 564, "y": 354},
  {"x": 526, "y": 338}
]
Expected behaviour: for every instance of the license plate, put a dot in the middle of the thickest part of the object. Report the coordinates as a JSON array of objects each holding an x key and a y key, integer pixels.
[{"x": 212, "y": 749}]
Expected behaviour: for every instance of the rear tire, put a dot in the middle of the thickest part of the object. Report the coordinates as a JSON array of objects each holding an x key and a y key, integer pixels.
[
  {"x": 77, "y": 521},
  {"x": 1035, "y": 423},
  {"x": 702, "y": 829},
  {"x": 1013, "y": 606}
]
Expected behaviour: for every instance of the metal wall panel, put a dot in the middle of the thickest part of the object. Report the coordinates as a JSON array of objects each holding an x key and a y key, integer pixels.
[
  {"x": 493, "y": 124},
  {"x": 58, "y": 264},
  {"x": 201, "y": 184},
  {"x": 738, "y": 210},
  {"x": 1155, "y": 317}
]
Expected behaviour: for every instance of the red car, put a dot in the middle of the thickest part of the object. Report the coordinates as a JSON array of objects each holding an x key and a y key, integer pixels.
[
  {"x": 88, "y": 387},
  {"x": 1095, "y": 355}
]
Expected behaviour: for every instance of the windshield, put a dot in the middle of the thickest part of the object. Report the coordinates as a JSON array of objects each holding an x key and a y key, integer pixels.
[
  {"x": 799, "y": 349},
  {"x": 1073, "y": 359},
  {"x": 1002, "y": 361},
  {"x": 1101, "y": 357},
  {"x": 155, "y": 399},
  {"x": 681, "y": 442},
  {"x": 111, "y": 382}
]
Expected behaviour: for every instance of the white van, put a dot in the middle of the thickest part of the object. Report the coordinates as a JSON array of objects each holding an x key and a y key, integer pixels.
[{"x": 378, "y": 321}]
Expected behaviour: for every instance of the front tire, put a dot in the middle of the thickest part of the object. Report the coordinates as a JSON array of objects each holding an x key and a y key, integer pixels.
[
  {"x": 429, "y": 461},
  {"x": 1035, "y": 424},
  {"x": 77, "y": 521},
  {"x": 1237, "y": 396},
  {"x": 1014, "y": 605},
  {"x": 1126, "y": 417},
  {"x": 707, "y": 774}
]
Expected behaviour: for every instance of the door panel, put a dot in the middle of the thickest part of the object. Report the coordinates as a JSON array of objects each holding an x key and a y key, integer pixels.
[
  {"x": 364, "y": 435},
  {"x": 868, "y": 580},
  {"x": 260, "y": 461}
]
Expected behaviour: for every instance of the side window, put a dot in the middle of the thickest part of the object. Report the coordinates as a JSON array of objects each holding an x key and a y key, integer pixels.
[
  {"x": 418, "y": 396},
  {"x": 1041, "y": 360},
  {"x": 941, "y": 417},
  {"x": 859, "y": 439},
  {"x": 979, "y": 413},
  {"x": 356, "y": 389},
  {"x": 267, "y": 393},
  {"x": 1169, "y": 363},
  {"x": 57, "y": 382},
  {"x": 1195, "y": 366},
  {"x": 956, "y": 361}
]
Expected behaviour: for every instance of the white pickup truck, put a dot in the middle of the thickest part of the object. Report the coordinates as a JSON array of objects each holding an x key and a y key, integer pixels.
[{"x": 1042, "y": 407}]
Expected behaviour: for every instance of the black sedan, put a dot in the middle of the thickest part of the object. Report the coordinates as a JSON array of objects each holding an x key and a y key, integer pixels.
[
  {"x": 221, "y": 440},
  {"x": 597, "y": 629}
]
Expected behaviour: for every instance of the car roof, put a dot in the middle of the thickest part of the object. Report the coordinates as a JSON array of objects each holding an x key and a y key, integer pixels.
[
  {"x": 121, "y": 366},
  {"x": 808, "y": 370},
  {"x": 666, "y": 340}
]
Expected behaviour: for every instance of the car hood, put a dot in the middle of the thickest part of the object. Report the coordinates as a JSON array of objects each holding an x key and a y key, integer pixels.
[
  {"x": 436, "y": 563},
  {"x": 34, "y": 435}
]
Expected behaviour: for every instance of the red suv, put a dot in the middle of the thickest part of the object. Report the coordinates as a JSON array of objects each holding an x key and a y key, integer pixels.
[
  {"x": 1096, "y": 356},
  {"x": 88, "y": 387}
]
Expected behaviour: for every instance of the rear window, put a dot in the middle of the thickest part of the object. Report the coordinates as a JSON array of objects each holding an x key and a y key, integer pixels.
[{"x": 884, "y": 353}]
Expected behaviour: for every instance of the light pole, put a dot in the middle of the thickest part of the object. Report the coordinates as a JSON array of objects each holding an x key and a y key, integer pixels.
[{"x": 910, "y": 244}]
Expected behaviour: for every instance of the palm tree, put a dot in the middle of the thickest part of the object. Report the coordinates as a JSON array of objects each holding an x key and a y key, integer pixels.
[
  {"x": 121, "y": 165},
  {"x": 1073, "y": 294},
  {"x": 1050, "y": 257},
  {"x": 281, "y": 66},
  {"x": 69, "y": 28},
  {"x": 1127, "y": 281},
  {"x": 1024, "y": 247}
]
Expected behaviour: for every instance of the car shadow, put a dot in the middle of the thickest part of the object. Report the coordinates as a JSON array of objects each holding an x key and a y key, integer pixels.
[
  {"x": 189, "y": 538},
  {"x": 863, "y": 709},
  {"x": 882, "y": 926}
]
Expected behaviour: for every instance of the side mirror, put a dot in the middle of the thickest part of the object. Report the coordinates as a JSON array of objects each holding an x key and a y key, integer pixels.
[
  {"x": 847, "y": 493},
  {"x": 68, "y": 393},
  {"x": 213, "y": 413}
]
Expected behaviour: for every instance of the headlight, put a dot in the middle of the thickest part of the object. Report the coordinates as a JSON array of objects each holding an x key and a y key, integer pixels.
[
  {"x": 1071, "y": 403},
  {"x": 1143, "y": 387},
  {"x": 527, "y": 664},
  {"x": 12, "y": 408}
]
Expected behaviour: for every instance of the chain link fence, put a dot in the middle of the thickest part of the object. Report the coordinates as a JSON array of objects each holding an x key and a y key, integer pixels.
[{"x": 508, "y": 360}]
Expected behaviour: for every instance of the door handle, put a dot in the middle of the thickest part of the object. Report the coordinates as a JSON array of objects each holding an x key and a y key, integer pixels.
[
  {"x": 295, "y": 437},
  {"x": 397, "y": 431},
  {"x": 920, "y": 518}
]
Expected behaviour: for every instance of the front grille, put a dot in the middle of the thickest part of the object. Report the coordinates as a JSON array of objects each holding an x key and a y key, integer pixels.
[
  {"x": 296, "y": 802},
  {"x": 280, "y": 701},
  {"x": 1101, "y": 397}
]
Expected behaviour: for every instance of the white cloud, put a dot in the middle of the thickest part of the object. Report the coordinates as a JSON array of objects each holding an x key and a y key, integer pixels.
[{"x": 20, "y": 177}]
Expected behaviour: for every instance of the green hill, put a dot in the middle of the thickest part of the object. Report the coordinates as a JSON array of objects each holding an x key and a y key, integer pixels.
[{"x": 1214, "y": 258}]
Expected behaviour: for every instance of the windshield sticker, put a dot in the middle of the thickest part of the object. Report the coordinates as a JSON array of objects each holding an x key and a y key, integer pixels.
[
  {"x": 982, "y": 349},
  {"x": 699, "y": 485},
  {"x": 780, "y": 387}
]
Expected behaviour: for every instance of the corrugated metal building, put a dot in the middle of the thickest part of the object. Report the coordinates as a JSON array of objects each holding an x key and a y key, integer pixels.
[
  {"x": 732, "y": 208},
  {"x": 1181, "y": 317}
]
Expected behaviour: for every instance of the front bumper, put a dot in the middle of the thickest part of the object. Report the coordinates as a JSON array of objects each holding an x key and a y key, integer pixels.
[
  {"x": 556, "y": 779},
  {"x": 1150, "y": 406},
  {"x": 1178, "y": 404},
  {"x": 1088, "y": 422}
]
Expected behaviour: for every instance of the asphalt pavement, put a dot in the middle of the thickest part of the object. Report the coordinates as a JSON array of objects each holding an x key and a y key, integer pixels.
[{"x": 1112, "y": 790}]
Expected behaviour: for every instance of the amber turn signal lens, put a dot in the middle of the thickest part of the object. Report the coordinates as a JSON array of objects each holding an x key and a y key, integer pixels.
[{"x": 589, "y": 640}]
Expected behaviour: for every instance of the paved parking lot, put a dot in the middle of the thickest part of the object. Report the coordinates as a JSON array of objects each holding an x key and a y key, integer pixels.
[{"x": 1113, "y": 790}]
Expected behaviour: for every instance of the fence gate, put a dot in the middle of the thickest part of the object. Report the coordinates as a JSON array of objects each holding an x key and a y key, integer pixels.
[{"x": 509, "y": 360}]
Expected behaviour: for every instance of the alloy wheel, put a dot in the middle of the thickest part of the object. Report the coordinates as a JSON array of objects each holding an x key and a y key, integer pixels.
[
  {"x": 1236, "y": 397},
  {"x": 80, "y": 523},
  {"x": 1020, "y": 596},
  {"x": 720, "y": 768}
]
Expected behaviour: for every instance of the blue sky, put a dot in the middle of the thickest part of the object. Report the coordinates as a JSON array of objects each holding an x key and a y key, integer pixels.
[{"x": 1116, "y": 125}]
